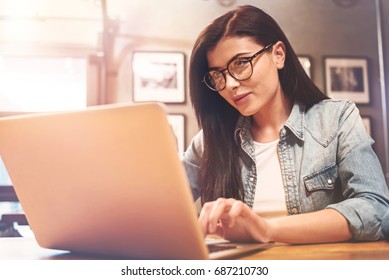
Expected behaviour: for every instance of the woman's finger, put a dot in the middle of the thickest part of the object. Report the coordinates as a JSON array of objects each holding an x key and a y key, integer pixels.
[
  {"x": 203, "y": 217},
  {"x": 220, "y": 207},
  {"x": 238, "y": 209}
]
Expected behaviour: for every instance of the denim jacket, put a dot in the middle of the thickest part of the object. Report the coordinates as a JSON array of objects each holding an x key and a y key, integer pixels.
[{"x": 327, "y": 161}]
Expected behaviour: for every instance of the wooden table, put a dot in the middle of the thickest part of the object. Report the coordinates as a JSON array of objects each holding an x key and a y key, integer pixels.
[
  {"x": 378, "y": 250},
  {"x": 26, "y": 248}
]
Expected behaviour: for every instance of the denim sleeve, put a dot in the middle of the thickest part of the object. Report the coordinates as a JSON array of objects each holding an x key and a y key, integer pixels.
[
  {"x": 362, "y": 178},
  {"x": 191, "y": 161}
]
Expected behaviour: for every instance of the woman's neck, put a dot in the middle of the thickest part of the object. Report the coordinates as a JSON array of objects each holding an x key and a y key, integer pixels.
[{"x": 267, "y": 123}]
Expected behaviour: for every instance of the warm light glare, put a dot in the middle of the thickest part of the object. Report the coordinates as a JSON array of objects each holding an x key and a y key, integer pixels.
[
  {"x": 33, "y": 84},
  {"x": 18, "y": 8}
]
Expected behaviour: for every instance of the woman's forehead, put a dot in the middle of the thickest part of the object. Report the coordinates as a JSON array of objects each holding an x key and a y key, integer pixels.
[{"x": 229, "y": 47}]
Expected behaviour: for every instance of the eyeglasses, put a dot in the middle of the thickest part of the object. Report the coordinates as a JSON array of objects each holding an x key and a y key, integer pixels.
[{"x": 240, "y": 69}]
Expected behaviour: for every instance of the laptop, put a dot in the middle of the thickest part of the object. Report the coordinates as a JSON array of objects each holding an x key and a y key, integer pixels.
[{"x": 106, "y": 180}]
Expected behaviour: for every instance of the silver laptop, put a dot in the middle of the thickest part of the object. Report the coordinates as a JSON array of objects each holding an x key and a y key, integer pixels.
[{"x": 106, "y": 180}]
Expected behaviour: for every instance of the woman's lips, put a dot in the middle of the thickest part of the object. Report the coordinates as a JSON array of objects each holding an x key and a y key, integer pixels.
[{"x": 238, "y": 99}]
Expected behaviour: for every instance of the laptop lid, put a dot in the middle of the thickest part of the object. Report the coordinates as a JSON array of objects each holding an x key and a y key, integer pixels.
[{"x": 105, "y": 180}]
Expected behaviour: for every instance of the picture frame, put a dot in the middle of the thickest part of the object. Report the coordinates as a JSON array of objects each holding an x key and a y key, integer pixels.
[
  {"x": 367, "y": 123},
  {"x": 347, "y": 78},
  {"x": 158, "y": 76},
  {"x": 306, "y": 63},
  {"x": 177, "y": 122}
]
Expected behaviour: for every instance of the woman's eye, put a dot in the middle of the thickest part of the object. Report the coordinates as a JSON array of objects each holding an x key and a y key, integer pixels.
[
  {"x": 240, "y": 63},
  {"x": 216, "y": 75}
]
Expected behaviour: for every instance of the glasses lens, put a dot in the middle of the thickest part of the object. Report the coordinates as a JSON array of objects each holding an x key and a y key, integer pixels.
[
  {"x": 240, "y": 68},
  {"x": 215, "y": 80}
]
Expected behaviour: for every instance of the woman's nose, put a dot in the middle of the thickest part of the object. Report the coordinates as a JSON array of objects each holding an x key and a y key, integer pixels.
[{"x": 231, "y": 82}]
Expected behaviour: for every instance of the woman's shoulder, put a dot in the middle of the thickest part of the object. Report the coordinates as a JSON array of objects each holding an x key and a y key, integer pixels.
[
  {"x": 330, "y": 108},
  {"x": 327, "y": 116},
  {"x": 333, "y": 103},
  {"x": 196, "y": 146}
]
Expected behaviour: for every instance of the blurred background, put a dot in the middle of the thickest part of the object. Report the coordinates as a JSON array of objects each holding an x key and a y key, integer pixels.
[{"x": 63, "y": 55}]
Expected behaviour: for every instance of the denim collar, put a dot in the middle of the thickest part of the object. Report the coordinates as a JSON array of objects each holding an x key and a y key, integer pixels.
[
  {"x": 295, "y": 124},
  {"x": 296, "y": 119}
]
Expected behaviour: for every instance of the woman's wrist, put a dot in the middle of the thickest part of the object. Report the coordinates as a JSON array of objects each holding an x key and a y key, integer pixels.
[{"x": 264, "y": 231}]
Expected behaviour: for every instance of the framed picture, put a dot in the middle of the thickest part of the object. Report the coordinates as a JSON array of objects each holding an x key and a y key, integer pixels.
[
  {"x": 306, "y": 63},
  {"x": 347, "y": 78},
  {"x": 177, "y": 122},
  {"x": 159, "y": 76},
  {"x": 366, "y": 121}
]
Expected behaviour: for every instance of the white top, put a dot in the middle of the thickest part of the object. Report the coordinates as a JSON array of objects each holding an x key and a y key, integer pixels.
[{"x": 269, "y": 194}]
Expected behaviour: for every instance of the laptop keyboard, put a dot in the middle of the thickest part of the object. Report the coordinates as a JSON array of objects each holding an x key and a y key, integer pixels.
[{"x": 212, "y": 248}]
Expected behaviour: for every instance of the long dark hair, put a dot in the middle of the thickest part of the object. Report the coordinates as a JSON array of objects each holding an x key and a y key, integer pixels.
[{"x": 220, "y": 169}]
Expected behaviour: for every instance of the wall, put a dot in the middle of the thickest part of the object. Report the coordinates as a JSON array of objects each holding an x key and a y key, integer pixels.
[
  {"x": 385, "y": 42},
  {"x": 317, "y": 28}
]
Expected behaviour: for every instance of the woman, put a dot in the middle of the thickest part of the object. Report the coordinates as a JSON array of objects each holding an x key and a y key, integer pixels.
[{"x": 268, "y": 134}]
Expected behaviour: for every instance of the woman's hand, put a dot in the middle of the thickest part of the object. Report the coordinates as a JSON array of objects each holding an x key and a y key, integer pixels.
[{"x": 233, "y": 220}]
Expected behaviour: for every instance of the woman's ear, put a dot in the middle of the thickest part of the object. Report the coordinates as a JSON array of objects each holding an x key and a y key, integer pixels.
[{"x": 279, "y": 54}]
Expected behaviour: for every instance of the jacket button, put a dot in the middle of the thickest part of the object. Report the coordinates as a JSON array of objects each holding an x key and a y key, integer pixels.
[
  {"x": 330, "y": 182},
  {"x": 294, "y": 210}
]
